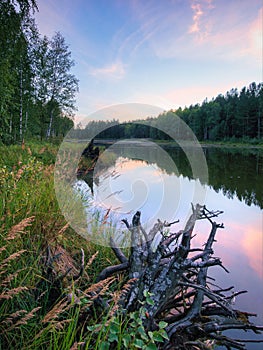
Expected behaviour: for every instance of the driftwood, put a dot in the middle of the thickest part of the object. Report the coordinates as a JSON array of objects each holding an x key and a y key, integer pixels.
[{"x": 176, "y": 278}]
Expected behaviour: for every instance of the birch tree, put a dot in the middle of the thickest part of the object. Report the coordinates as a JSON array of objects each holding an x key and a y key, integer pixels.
[{"x": 62, "y": 85}]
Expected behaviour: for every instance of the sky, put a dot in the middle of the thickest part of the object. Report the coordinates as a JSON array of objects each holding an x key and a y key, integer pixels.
[{"x": 169, "y": 53}]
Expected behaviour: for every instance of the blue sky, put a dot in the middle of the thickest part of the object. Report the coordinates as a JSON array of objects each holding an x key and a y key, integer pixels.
[{"x": 167, "y": 53}]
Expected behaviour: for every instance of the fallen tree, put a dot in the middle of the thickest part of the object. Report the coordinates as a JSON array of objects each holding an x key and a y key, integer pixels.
[
  {"x": 171, "y": 281},
  {"x": 159, "y": 296}
]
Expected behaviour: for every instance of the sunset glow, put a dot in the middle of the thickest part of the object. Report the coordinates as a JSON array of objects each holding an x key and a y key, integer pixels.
[{"x": 171, "y": 53}]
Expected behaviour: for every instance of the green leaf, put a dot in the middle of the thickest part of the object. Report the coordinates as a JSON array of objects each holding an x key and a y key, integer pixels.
[
  {"x": 145, "y": 293},
  {"x": 151, "y": 346},
  {"x": 143, "y": 334},
  {"x": 138, "y": 343},
  {"x": 157, "y": 337},
  {"x": 113, "y": 337},
  {"x": 126, "y": 340},
  {"x": 134, "y": 324},
  {"x": 150, "y": 334},
  {"x": 163, "y": 333},
  {"x": 132, "y": 315},
  {"x": 93, "y": 328},
  {"x": 114, "y": 328},
  {"x": 104, "y": 345},
  {"x": 163, "y": 324},
  {"x": 149, "y": 301}
]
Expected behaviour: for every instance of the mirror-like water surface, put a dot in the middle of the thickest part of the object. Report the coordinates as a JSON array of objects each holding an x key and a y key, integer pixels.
[{"x": 160, "y": 184}]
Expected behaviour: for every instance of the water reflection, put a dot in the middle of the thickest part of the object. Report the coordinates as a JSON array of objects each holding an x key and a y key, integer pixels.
[
  {"x": 235, "y": 186},
  {"x": 237, "y": 172}
]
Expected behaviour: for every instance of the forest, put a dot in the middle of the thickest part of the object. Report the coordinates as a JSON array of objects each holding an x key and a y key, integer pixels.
[
  {"x": 61, "y": 291},
  {"x": 37, "y": 88},
  {"x": 235, "y": 116}
]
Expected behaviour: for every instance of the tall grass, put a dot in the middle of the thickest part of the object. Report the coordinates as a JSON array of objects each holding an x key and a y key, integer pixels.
[
  {"x": 42, "y": 304},
  {"x": 30, "y": 220}
]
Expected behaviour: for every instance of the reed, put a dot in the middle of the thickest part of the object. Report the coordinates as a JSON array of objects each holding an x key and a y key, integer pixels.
[{"x": 36, "y": 311}]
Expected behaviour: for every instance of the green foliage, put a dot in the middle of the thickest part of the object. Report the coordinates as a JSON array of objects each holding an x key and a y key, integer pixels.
[
  {"x": 29, "y": 218},
  {"x": 126, "y": 332},
  {"x": 237, "y": 115},
  {"x": 36, "y": 88}
]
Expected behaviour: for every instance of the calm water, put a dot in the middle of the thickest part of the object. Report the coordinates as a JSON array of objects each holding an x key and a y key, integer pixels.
[{"x": 159, "y": 182}]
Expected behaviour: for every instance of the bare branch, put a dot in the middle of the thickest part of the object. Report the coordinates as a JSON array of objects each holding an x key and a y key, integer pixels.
[
  {"x": 108, "y": 271},
  {"x": 117, "y": 251}
]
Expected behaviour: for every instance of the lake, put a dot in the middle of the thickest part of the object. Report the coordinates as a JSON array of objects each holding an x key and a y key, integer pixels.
[{"x": 159, "y": 181}]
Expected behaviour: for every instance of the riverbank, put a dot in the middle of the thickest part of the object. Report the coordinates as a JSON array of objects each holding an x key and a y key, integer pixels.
[
  {"x": 204, "y": 144},
  {"x": 49, "y": 295},
  {"x": 39, "y": 255},
  {"x": 222, "y": 144}
]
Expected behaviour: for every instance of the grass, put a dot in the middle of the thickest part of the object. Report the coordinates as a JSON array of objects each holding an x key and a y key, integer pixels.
[
  {"x": 43, "y": 303},
  {"x": 36, "y": 311}
]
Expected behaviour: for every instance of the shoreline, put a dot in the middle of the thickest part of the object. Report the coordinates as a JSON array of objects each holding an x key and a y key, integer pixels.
[{"x": 173, "y": 143}]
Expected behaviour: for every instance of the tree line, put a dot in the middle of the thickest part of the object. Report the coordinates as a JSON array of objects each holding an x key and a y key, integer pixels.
[
  {"x": 235, "y": 116},
  {"x": 37, "y": 93},
  {"x": 37, "y": 88}
]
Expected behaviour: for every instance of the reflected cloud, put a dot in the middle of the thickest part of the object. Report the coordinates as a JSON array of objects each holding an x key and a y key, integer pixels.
[
  {"x": 240, "y": 243},
  {"x": 252, "y": 245}
]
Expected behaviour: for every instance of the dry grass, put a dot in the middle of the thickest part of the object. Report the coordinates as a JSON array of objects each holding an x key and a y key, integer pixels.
[
  {"x": 24, "y": 320},
  {"x": 12, "y": 292},
  {"x": 63, "y": 264},
  {"x": 56, "y": 311},
  {"x": 19, "y": 228},
  {"x": 9, "y": 279},
  {"x": 118, "y": 295},
  {"x": 13, "y": 317},
  {"x": 90, "y": 262},
  {"x": 12, "y": 257},
  {"x": 36, "y": 310},
  {"x": 76, "y": 345},
  {"x": 2, "y": 249},
  {"x": 99, "y": 288}
]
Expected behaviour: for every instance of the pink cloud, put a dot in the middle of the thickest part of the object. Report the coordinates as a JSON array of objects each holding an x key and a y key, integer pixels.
[
  {"x": 195, "y": 27},
  {"x": 229, "y": 37},
  {"x": 245, "y": 239},
  {"x": 239, "y": 240},
  {"x": 252, "y": 247},
  {"x": 210, "y": 29}
]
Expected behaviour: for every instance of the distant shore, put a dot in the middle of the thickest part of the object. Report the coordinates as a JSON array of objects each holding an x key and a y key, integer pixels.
[{"x": 204, "y": 144}]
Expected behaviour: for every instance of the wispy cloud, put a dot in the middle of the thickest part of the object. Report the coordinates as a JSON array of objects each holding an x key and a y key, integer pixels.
[
  {"x": 157, "y": 52},
  {"x": 198, "y": 13},
  {"x": 201, "y": 23},
  {"x": 115, "y": 71},
  {"x": 203, "y": 28}
]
